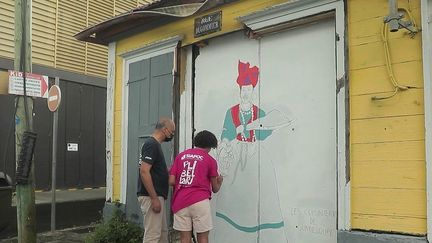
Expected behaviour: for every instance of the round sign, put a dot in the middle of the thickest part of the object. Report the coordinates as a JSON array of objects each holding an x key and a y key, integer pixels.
[{"x": 54, "y": 98}]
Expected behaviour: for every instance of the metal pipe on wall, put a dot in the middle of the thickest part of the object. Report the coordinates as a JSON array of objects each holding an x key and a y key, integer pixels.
[{"x": 393, "y": 17}]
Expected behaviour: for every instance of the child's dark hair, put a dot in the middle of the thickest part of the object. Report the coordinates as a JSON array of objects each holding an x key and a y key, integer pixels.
[{"x": 205, "y": 139}]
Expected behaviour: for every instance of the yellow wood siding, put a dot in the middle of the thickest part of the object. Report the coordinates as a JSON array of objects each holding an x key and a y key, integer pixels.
[
  {"x": 117, "y": 131},
  {"x": 97, "y": 55},
  {"x": 122, "y": 6},
  {"x": 7, "y": 28},
  {"x": 56, "y": 47},
  {"x": 387, "y": 137},
  {"x": 71, "y": 54},
  {"x": 43, "y": 32}
]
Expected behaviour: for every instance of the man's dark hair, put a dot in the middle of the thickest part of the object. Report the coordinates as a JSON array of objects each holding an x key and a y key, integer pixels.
[
  {"x": 205, "y": 139},
  {"x": 161, "y": 123}
]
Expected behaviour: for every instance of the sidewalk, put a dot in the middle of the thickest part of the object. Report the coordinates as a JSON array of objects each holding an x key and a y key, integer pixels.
[
  {"x": 74, "y": 208},
  {"x": 72, "y": 235},
  {"x": 44, "y": 197}
]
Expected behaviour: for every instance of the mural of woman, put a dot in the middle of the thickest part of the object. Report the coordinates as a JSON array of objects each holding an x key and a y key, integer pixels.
[{"x": 248, "y": 207}]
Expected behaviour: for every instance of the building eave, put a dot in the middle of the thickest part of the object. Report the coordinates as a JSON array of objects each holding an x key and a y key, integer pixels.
[{"x": 103, "y": 32}]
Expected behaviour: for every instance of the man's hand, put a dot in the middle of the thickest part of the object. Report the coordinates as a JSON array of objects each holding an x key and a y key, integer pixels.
[
  {"x": 148, "y": 184},
  {"x": 155, "y": 205}
]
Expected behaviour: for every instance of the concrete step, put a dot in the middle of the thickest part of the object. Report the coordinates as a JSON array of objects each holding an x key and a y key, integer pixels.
[{"x": 73, "y": 208}]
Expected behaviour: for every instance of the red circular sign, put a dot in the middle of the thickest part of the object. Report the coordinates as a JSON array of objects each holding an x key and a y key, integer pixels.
[{"x": 54, "y": 98}]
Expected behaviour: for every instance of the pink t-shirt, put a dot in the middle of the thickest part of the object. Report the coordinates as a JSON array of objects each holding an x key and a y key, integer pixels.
[{"x": 192, "y": 169}]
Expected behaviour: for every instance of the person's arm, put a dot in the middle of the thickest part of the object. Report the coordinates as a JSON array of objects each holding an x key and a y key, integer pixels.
[
  {"x": 173, "y": 172},
  {"x": 215, "y": 178},
  {"x": 216, "y": 182},
  {"x": 171, "y": 180},
  {"x": 148, "y": 184}
]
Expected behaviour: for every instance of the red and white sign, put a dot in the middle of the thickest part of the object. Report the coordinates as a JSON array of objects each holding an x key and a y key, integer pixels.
[
  {"x": 54, "y": 98},
  {"x": 36, "y": 84}
]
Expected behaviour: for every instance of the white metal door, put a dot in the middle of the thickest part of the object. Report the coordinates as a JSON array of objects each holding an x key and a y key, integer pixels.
[{"x": 272, "y": 103}]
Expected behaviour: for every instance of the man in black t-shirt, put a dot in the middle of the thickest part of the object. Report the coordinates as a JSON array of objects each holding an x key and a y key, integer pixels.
[{"x": 153, "y": 183}]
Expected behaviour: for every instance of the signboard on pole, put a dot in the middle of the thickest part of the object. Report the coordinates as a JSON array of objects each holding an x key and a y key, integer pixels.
[
  {"x": 54, "y": 98},
  {"x": 36, "y": 84}
]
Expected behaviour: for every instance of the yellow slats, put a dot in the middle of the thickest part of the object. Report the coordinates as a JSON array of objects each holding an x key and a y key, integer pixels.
[
  {"x": 372, "y": 54},
  {"x": 72, "y": 18},
  {"x": 43, "y": 40},
  {"x": 42, "y": 61},
  {"x": 387, "y": 137},
  {"x": 360, "y": 9},
  {"x": 406, "y": 103},
  {"x": 403, "y": 174},
  {"x": 375, "y": 79},
  {"x": 122, "y": 6},
  {"x": 7, "y": 28},
  {"x": 369, "y": 30},
  {"x": 397, "y": 202},
  {"x": 43, "y": 32},
  {"x": 389, "y": 223},
  {"x": 389, "y": 129},
  {"x": 390, "y": 151}
]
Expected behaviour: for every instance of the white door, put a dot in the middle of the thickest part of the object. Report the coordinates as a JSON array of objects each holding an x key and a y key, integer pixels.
[{"x": 272, "y": 104}]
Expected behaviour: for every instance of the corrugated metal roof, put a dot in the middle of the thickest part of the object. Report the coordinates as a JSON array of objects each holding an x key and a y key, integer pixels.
[{"x": 103, "y": 32}]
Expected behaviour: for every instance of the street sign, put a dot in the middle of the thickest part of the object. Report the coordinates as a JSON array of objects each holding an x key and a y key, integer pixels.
[
  {"x": 72, "y": 147},
  {"x": 208, "y": 24},
  {"x": 54, "y": 98},
  {"x": 36, "y": 84}
]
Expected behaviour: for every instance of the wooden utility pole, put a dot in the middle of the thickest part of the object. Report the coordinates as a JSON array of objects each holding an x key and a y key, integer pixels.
[{"x": 25, "y": 195}]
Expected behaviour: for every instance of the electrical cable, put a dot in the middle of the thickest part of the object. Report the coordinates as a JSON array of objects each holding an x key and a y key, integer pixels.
[{"x": 384, "y": 36}]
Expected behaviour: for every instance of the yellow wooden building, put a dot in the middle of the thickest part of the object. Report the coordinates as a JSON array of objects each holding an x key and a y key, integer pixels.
[
  {"x": 346, "y": 91},
  {"x": 54, "y": 22},
  {"x": 81, "y": 70}
]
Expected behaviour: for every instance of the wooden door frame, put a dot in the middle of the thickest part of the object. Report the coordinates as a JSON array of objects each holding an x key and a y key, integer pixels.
[
  {"x": 146, "y": 52},
  {"x": 426, "y": 10}
]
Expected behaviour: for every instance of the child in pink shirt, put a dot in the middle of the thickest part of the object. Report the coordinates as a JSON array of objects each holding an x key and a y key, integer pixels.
[{"x": 194, "y": 176}]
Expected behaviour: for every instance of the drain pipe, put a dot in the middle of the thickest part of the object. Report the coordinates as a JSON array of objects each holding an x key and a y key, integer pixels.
[
  {"x": 393, "y": 18},
  {"x": 395, "y": 21}
]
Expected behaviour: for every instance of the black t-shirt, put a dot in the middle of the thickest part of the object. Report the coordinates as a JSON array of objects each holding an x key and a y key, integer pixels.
[{"x": 151, "y": 152}]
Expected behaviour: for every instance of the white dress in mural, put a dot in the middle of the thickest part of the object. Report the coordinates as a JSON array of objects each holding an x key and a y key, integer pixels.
[{"x": 248, "y": 206}]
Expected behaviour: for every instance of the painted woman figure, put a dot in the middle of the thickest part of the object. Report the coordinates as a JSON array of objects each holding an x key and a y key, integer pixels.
[{"x": 248, "y": 207}]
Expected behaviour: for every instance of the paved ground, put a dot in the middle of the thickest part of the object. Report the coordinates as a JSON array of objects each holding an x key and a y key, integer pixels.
[
  {"x": 74, "y": 208},
  {"x": 73, "y": 235},
  {"x": 68, "y": 195}
]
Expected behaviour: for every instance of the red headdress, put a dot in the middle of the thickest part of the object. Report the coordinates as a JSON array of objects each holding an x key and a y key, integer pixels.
[{"x": 247, "y": 75}]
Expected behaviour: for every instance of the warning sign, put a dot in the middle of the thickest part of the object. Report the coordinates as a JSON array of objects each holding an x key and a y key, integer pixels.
[{"x": 36, "y": 85}]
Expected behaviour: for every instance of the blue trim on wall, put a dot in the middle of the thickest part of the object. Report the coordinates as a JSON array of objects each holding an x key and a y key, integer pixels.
[{"x": 252, "y": 228}]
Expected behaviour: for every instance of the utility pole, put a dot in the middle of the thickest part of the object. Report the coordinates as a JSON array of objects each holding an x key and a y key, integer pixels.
[{"x": 25, "y": 195}]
